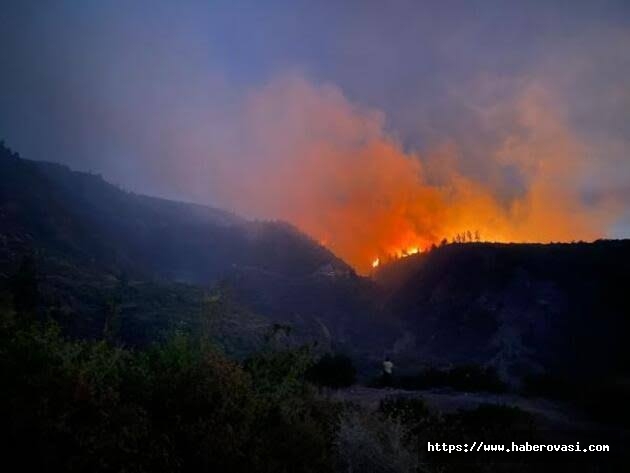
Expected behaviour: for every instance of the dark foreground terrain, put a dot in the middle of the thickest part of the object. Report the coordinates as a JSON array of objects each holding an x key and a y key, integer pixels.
[{"x": 141, "y": 334}]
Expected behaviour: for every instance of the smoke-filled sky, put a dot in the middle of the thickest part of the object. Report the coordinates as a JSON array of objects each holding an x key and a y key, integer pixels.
[{"x": 375, "y": 127}]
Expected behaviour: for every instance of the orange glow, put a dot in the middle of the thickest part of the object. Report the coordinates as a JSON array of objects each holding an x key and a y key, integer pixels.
[
  {"x": 397, "y": 254},
  {"x": 330, "y": 167}
]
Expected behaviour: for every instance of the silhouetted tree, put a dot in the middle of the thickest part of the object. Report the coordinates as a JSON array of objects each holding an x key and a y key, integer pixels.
[
  {"x": 334, "y": 371},
  {"x": 24, "y": 288},
  {"x": 112, "y": 319},
  {"x": 111, "y": 326}
]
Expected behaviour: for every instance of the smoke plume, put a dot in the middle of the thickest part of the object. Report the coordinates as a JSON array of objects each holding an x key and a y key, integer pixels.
[{"x": 304, "y": 153}]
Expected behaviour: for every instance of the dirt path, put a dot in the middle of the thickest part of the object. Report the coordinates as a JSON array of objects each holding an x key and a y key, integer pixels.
[{"x": 550, "y": 414}]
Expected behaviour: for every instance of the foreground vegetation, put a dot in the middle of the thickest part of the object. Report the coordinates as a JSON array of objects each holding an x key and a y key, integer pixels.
[
  {"x": 77, "y": 405},
  {"x": 182, "y": 405}
]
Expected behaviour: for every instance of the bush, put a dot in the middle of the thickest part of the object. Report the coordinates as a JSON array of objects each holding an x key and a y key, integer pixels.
[
  {"x": 177, "y": 407},
  {"x": 413, "y": 413},
  {"x": 333, "y": 371},
  {"x": 470, "y": 378},
  {"x": 549, "y": 385},
  {"x": 373, "y": 444},
  {"x": 491, "y": 418},
  {"x": 488, "y": 423}
]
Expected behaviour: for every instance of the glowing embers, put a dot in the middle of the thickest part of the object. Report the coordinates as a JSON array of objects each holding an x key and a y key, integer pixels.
[{"x": 397, "y": 254}]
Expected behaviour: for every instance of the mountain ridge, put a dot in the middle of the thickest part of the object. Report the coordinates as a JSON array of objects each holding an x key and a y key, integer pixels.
[
  {"x": 523, "y": 309},
  {"x": 85, "y": 229}
]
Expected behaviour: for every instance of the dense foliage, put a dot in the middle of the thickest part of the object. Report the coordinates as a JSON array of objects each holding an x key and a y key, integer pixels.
[
  {"x": 469, "y": 378},
  {"x": 333, "y": 371},
  {"x": 146, "y": 263},
  {"x": 179, "y": 406}
]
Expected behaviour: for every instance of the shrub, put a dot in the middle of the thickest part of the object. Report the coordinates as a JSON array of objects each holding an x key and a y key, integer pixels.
[
  {"x": 279, "y": 374},
  {"x": 373, "y": 444},
  {"x": 177, "y": 407},
  {"x": 549, "y": 385},
  {"x": 413, "y": 413},
  {"x": 469, "y": 378},
  {"x": 491, "y": 418},
  {"x": 333, "y": 371}
]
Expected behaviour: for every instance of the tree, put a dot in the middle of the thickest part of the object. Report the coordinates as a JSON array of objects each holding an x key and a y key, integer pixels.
[
  {"x": 112, "y": 319},
  {"x": 333, "y": 371},
  {"x": 278, "y": 336},
  {"x": 24, "y": 288}
]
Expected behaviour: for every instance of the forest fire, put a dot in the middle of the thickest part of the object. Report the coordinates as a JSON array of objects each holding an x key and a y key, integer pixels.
[
  {"x": 331, "y": 168},
  {"x": 398, "y": 254},
  {"x": 408, "y": 252},
  {"x": 461, "y": 237}
]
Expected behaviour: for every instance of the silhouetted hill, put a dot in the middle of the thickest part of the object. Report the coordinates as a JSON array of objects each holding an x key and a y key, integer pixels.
[
  {"x": 81, "y": 213},
  {"x": 89, "y": 235},
  {"x": 527, "y": 309},
  {"x": 554, "y": 311}
]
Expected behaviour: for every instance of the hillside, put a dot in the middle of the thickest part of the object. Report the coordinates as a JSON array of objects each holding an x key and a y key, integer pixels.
[
  {"x": 555, "y": 310},
  {"x": 541, "y": 310},
  {"x": 90, "y": 237}
]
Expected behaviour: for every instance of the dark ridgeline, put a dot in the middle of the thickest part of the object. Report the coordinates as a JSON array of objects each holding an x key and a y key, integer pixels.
[
  {"x": 556, "y": 304},
  {"x": 550, "y": 319},
  {"x": 126, "y": 270},
  {"x": 93, "y": 240},
  {"x": 521, "y": 308},
  {"x": 101, "y": 250}
]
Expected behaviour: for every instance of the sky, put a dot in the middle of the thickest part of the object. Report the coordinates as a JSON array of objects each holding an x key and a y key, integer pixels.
[{"x": 375, "y": 127}]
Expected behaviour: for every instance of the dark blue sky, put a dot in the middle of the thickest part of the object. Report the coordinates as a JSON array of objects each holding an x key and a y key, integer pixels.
[{"x": 149, "y": 93}]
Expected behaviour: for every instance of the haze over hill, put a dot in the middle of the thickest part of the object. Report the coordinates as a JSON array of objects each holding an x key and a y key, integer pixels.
[
  {"x": 83, "y": 228},
  {"x": 522, "y": 309},
  {"x": 314, "y": 236},
  {"x": 372, "y": 130}
]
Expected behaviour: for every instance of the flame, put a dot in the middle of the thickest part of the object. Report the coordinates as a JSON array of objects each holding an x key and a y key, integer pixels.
[
  {"x": 403, "y": 253},
  {"x": 397, "y": 254},
  {"x": 331, "y": 168}
]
